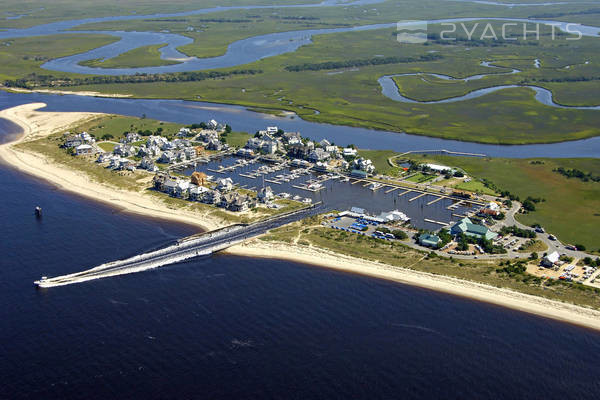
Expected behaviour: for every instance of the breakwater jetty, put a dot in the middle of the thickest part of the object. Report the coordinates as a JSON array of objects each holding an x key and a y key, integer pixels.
[{"x": 184, "y": 249}]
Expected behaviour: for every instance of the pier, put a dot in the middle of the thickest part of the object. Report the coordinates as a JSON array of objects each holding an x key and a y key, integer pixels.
[{"x": 184, "y": 249}]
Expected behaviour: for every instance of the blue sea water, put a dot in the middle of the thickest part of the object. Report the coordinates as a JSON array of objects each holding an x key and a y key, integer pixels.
[{"x": 225, "y": 327}]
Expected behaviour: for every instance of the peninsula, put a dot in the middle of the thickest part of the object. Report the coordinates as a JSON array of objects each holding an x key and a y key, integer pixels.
[{"x": 471, "y": 272}]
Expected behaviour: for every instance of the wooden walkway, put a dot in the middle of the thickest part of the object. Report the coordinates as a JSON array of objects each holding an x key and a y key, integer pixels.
[
  {"x": 436, "y": 200},
  {"x": 418, "y": 196}
]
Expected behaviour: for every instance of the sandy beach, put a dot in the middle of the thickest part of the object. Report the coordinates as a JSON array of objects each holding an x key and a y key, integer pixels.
[
  {"x": 54, "y": 91},
  {"x": 37, "y": 124},
  {"x": 504, "y": 297}
]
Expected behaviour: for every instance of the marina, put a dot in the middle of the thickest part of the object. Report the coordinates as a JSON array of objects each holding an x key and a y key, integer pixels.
[{"x": 339, "y": 192}]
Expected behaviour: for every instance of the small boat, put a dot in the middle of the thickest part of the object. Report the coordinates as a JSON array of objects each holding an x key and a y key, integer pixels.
[
  {"x": 38, "y": 211},
  {"x": 374, "y": 186},
  {"x": 307, "y": 200},
  {"x": 296, "y": 197},
  {"x": 39, "y": 282}
]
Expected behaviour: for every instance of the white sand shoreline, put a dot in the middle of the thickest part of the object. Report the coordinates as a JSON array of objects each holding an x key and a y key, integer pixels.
[
  {"x": 553, "y": 309},
  {"x": 39, "y": 124}
]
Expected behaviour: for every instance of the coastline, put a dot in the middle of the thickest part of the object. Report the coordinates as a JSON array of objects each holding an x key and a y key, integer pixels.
[
  {"x": 36, "y": 124},
  {"x": 65, "y": 92},
  {"x": 564, "y": 312}
]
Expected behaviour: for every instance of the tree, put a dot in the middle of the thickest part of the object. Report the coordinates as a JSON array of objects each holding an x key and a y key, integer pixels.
[
  {"x": 458, "y": 174},
  {"x": 399, "y": 234},
  {"x": 580, "y": 247},
  {"x": 227, "y": 129},
  {"x": 533, "y": 256}
]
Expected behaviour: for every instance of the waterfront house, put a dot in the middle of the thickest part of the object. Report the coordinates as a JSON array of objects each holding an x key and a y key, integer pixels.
[
  {"x": 324, "y": 143},
  {"x": 364, "y": 165},
  {"x": 235, "y": 202},
  {"x": 84, "y": 149},
  {"x": 429, "y": 240},
  {"x": 213, "y": 124},
  {"x": 197, "y": 193},
  {"x": 298, "y": 150},
  {"x": 190, "y": 153},
  {"x": 331, "y": 149},
  {"x": 148, "y": 164},
  {"x": 124, "y": 150},
  {"x": 467, "y": 227},
  {"x": 168, "y": 157},
  {"x": 322, "y": 166},
  {"x": 124, "y": 163},
  {"x": 211, "y": 197},
  {"x": 131, "y": 137},
  {"x": 271, "y": 130},
  {"x": 318, "y": 155},
  {"x": 270, "y": 146},
  {"x": 181, "y": 189},
  {"x": 349, "y": 152},
  {"x": 159, "y": 141},
  {"x": 214, "y": 144},
  {"x": 184, "y": 132},
  {"x": 254, "y": 143},
  {"x": 159, "y": 181},
  {"x": 73, "y": 141},
  {"x": 104, "y": 157},
  {"x": 224, "y": 184},
  {"x": 265, "y": 194},
  {"x": 170, "y": 186},
  {"x": 245, "y": 153}
]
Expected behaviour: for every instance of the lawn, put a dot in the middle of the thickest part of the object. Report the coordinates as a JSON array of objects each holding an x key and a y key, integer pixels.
[
  {"x": 419, "y": 177},
  {"x": 308, "y": 232},
  {"x": 475, "y": 186},
  {"x": 237, "y": 139},
  {"x": 571, "y": 209},
  {"x": 107, "y": 146},
  {"x": 118, "y": 126}
]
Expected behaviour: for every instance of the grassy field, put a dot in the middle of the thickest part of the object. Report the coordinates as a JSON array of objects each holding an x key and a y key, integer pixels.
[
  {"x": 510, "y": 116},
  {"x": 475, "y": 186},
  {"x": 237, "y": 139},
  {"x": 571, "y": 209},
  {"x": 420, "y": 178},
  {"x": 118, "y": 126},
  {"x": 308, "y": 232},
  {"x": 353, "y": 96},
  {"x": 22, "y": 56},
  {"x": 145, "y": 56}
]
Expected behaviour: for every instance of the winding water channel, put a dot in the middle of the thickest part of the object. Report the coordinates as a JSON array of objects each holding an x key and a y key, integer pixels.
[
  {"x": 258, "y": 47},
  {"x": 240, "y": 118},
  {"x": 390, "y": 90}
]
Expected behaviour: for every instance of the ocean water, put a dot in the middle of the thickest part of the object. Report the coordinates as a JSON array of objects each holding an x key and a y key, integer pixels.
[{"x": 225, "y": 327}]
